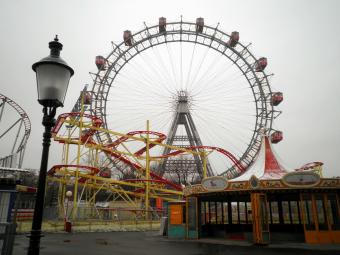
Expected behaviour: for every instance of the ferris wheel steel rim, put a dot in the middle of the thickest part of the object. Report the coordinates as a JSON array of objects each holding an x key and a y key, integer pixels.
[{"x": 210, "y": 37}]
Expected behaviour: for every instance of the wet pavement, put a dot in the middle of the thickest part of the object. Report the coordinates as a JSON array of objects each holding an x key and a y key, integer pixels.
[{"x": 149, "y": 243}]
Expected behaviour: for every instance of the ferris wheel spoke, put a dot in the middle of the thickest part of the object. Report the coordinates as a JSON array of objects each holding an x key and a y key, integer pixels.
[
  {"x": 181, "y": 66},
  {"x": 230, "y": 120},
  {"x": 229, "y": 88},
  {"x": 217, "y": 84},
  {"x": 231, "y": 84},
  {"x": 226, "y": 97},
  {"x": 191, "y": 83},
  {"x": 237, "y": 131},
  {"x": 148, "y": 97},
  {"x": 140, "y": 117},
  {"x": 146, "y": 85},
  {"x": 130, "y": 80},
  {"x": 242, "y": 117},
  {"x": 172, "y": 64},
  {"x": 190, "y": 67},
  {"x": 226, "y": 103},
  {"x": 215, "y": 62},
  {"x": 221, "y": 72},
  {"x": 235, "y": 145},
  {"x": 223, "y": 106},
  {"x": 139, "y": 74},
  {"x": 145, "y": 74},
  {"x": 215, "y": 136},
  {"x": 166, "y": 70},
  {"x": 156, "y": 69}
]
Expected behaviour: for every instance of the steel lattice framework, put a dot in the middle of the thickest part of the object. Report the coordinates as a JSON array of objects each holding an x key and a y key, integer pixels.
[
  {"x": 184, "y": 165},
  {"x": 211, "y": 37},
  {"x": 21, "y": 137}
]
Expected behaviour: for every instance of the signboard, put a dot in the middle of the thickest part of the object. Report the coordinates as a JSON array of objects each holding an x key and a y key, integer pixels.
[
  {"x": 298, "y": 179},
  {"x": 215, "y": 183}
]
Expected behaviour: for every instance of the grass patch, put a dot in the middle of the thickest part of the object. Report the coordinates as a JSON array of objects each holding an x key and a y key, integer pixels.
[{"x": 91, "y": 226}]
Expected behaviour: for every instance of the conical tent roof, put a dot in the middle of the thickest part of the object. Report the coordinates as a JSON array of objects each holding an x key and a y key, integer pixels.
[
  {"x": 272, "y": 167},
  {"x": 266, "y": 165}
]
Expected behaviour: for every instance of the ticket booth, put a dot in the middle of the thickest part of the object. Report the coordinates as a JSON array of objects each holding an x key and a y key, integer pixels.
[
  {"x": 183, "y": 219},
  {"x": 177, "y": 220}
]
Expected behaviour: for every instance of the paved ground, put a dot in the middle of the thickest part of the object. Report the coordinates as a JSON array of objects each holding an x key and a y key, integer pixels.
[{"x": 149, "y": 243}]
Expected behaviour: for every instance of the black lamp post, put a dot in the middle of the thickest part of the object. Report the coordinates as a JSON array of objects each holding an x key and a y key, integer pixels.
[{"x": 53, "y": 75}]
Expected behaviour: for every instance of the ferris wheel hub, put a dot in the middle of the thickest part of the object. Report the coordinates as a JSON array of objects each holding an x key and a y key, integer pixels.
[{"x": 182, "y": 96}]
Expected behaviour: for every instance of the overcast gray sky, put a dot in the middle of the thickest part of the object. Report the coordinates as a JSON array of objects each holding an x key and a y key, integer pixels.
[{"x": 300, "y": 39}]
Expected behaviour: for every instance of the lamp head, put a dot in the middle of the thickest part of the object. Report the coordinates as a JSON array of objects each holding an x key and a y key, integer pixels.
[
  {"x": 53, "y": 75},
  {"x": 68, "y": 193}
]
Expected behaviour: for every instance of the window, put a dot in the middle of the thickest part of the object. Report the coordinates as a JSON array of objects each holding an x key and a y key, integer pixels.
[
  {"x": 203, "y": 213},
  {"x": 294, "y": 209},
  {"x": 242, "y": 212},
  {"x": 207, "y": 213},
  {"x": 249, "y": 213},
  {"x": 308, "y": 211},
  {"x": 219, "y": 213},
  {"x": 234, "y": 212},
  {"x": 225, "y": 212},
  {"x": 285, "y": 212},
  {"x": 333, "y": 212},
  {"x": 4, "y": 205},
  {"x": 321, "y": 213},
  {"x": 212, "y": 212},
  {"x": 274, "y": 211}
]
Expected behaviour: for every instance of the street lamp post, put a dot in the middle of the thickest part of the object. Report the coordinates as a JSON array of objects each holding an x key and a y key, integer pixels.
[
  {"x": 53, "y": 75},
  {"x": 68, "y": 194}
]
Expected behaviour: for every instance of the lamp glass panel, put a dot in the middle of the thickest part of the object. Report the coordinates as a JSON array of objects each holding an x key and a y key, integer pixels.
[{"x": 52, "y": 82}]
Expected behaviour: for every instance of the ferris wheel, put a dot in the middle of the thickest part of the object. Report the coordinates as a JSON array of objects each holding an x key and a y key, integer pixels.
[{"x": 224, "y": 85}]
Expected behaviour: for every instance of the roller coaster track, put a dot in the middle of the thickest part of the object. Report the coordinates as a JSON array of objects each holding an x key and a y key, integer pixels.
[
  {"x": 17, "y": 148},
  {"x": 87, "y": 139}
]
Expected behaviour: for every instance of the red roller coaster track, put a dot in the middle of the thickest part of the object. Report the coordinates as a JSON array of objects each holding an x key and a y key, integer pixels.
[{"x": 86, "y": 138}]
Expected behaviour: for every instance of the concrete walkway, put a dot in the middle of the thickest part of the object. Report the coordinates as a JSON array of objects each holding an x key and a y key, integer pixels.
[{"x": 149, "y": 243}]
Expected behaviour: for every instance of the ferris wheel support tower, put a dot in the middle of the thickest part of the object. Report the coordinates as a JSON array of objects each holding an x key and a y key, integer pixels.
[{"x": 185, "y": 166}]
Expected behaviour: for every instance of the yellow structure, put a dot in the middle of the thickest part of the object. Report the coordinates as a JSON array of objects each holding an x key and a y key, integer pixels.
[{"x": 86, "y": 167}]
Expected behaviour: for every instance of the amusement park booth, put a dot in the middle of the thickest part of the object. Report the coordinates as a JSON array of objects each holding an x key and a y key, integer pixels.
[
  {"x": 266, "y": 204},
  {"x": 177, "y": 220}
]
